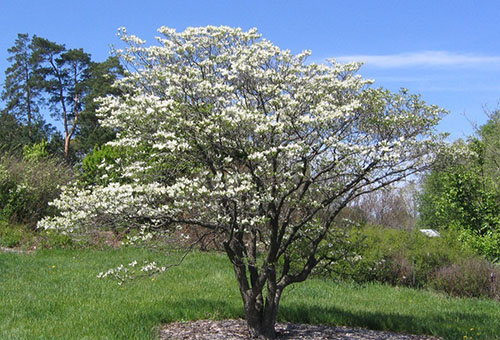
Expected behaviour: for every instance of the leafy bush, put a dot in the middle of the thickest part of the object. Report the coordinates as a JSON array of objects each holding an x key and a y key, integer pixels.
[
  {"x": 397, "y": 257},
  {"x": 36, "y": 151},
  {"x": 486, "y": 244},
  {"x": 101, "y": 165},
  {"x": 10, "y": 236},
  {"x": 27, "y": 186},
  {"x": 107, "y": 164},
  {"x": 51, "y": 239},
  {"x": 15, "y": 236},
  {"x": 471, "y": 277},
  {"x": 411, "y": 259},
  {"x": 463, "y": 195}
]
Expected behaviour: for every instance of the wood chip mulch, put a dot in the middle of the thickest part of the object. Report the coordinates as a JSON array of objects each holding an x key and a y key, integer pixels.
[{"x": 237, "y": 330}]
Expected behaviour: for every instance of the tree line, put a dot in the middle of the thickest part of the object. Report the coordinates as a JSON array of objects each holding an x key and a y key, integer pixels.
[{"x": 45, "y": 76}]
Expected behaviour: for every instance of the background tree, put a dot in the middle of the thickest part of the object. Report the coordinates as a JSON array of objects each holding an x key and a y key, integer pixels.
[
  {"x": 392, "y": 207},
  {"x": 15, "y": 135},
  {"x": 11, "y": 136},
  {"x": 64, "y": 72},
  {"x": 278, "y": 149},
  {"x": 43, "y": 72},
  {"x": 101, "y": 76},
  {"x": 489, "y": 134},
  {"x": 461, "y": 193},
  {"x": 22, "y": 91}
]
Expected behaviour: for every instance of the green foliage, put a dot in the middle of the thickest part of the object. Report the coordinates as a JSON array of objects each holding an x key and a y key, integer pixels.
[
  {"x": 489, "y": 134},
  {"x": 101, "y": 166},
  {"x": 411, "y": 259},
  {"x": 22, "y": 87},
  {"x": 397, "y": 257},
  {"x": 17, "y": 236},
  {"x": 462, "y": 195},
  {"x": 10, "y": 236},
  {"x": 101, "y": 76},
  {"x": 27, "y": 186},
  {"x": 53, "y": 240},
  {"x": 46, "y": 74},
  {"x": 487, "y": 243},
  {"x": 23, "y": 93},
  {"x": 14, "y": 135},
  {"x": 105, "y": 164},
  {"x": 63, "y": 80},
  {"x": 35, "y": 152}
]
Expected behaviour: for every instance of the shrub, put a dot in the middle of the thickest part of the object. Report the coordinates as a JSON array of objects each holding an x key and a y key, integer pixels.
[
  {"x": 27, "y": 186},
  {"x": 51, "y": 239},
  {"x": 409, "y": 258},
  {"x": 101, "y": 166},
  {"x": 9, "y": 236},
  {"x": 106, "y": 164},
  {"x": 397, "y": 257},
  {"x": 471, "y": 277},
  {"x": 463, "y": 195},
  {"x": 15, "y": 236},
  {"x": 35, "y": 152},
  {"x": 486, "y": 244}
]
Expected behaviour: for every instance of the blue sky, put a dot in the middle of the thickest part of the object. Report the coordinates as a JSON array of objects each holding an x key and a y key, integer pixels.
[{"x": 446, "y": 50}]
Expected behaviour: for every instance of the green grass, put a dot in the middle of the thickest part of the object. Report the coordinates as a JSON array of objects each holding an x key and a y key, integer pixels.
[{"x": 54, "y": 294}]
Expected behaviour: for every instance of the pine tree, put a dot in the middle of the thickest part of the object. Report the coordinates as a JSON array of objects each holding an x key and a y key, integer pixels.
[
  {"x": 22, "y": 90},
  {"x": 101, "y": 77},
  {"x": 64, "y": 72}
]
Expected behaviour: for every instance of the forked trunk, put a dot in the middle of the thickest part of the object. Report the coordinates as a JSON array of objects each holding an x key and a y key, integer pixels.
[
  {"x": 261, "y": 323},
  {"x": 261, "y": 320},
  {"x": 259, "y": 314}
]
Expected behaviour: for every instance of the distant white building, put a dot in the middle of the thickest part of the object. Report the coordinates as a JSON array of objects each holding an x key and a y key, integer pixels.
[{"x": 430, "y": 232}]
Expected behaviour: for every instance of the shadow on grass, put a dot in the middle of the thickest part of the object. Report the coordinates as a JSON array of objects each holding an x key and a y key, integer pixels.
[
  {"x": 447, "y": 325},
  {"x": 185, "y": 309}
]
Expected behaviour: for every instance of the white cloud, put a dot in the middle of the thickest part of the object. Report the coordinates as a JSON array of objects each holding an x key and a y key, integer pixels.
[{"x": 425, "y": 59}]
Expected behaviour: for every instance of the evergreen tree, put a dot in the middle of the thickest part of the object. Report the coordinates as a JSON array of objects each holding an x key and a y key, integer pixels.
[
  {"x": 22, "y": 90},
  {"x": 101, "y": 77},
  {"x": 46, "y": 74},
  {"x": 64, "y": 72}
]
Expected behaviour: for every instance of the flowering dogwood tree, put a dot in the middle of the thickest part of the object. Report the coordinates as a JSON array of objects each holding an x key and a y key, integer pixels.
[{"x": 278, "y": 148}]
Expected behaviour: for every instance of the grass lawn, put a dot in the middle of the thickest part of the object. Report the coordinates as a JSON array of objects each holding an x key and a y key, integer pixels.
[{"x": 55, "y": 294}]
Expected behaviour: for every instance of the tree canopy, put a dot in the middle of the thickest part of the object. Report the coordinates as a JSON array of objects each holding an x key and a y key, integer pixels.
[
  {"x": 47, "y": 75},
  {"x": 462, "y": 194},
  {"x": 22, "y": 91}
]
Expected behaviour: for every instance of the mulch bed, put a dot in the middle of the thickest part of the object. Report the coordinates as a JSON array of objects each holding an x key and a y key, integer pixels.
[{"x": 237, "y": 330}]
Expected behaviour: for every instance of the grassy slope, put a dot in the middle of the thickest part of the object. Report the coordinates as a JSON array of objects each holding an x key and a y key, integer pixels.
[{"x": 56, "y": 295}]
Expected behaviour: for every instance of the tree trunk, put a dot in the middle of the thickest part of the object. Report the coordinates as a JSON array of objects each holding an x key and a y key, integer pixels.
[
  {"x": 261, "y": 323},
  {"x": 66, "y": 146},
  {"x": 260, "y": 316},
  {"x": 261, "y": 319}
]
